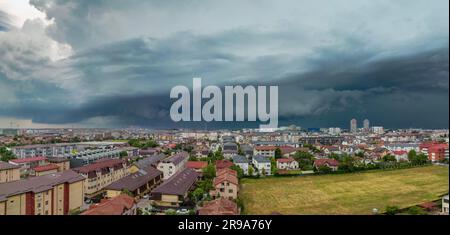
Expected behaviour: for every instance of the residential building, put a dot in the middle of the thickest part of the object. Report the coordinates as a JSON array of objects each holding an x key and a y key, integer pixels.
[
  {"x": 176, "y": 163},
  {"x": 100, "y": 174},
  {"x": 52, "y": 194},
  {"x": 226, "y": 184},
  {"x": 221, "y": 164},
  {"x": 435, "y": 151},
  {"x": 150, "y": 161},
  {"x": 220, "y": 206},
  {"x": 44, "y": 150},
  {"x": 44, "y": 170},
  {"x": 400, "y": 155},
  {"x": 90, "y": 156},
  {"x": 287, "y": 164},
  {"x": 262, "y": 165},
  {"x": 62, "y": 162},
  {"x": 174, "y": 191},
  {"x": 379, "y": 130},
  {"x": 197, "y": 166},
  {"x": 242, "y": 162},
  {"x": 137, "y": 184},
  {"x": 366, "y": 125},
  {"x": 333, "y": 164},
  {"x": 445, "y": 209},
  {"x": 120, "y": 205},
  {"x": 27, "y": 164},
  {"x": 9, "y": 172},
  {"x": 268, "y": 151}
]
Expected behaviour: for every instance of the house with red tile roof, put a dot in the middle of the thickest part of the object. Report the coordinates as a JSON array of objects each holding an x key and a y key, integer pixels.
[
  {"x": 221, "y": 164},
  {"x": 45, "y": 169},
  {"x": 120, "y": 205},
  {"x": 287, "y": 164},
  {"x": 226, "y": 184},
  {"x": 27, "y": 164},
  {"x": 329, "y": 162},
  {"x": 220, "y": 206}
]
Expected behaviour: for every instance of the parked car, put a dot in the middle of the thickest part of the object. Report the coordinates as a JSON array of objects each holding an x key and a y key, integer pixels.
[{"x": 183, "y": 211}]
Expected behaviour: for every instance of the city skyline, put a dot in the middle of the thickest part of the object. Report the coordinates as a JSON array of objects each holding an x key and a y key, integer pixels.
[{"x": 98, "y": 64}]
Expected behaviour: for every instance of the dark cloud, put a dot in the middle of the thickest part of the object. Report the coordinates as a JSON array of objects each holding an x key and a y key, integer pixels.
[
  {"x": 5, "y": 21},
  {"x": 329, "y": 69}
]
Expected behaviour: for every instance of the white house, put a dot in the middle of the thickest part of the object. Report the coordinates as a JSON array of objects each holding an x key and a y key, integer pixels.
[
  {"x": 176, "y": 163},
  {"x": 242, "y": 162},
  {"x": 287, "y": 164},
  {"x": 262, "y": 165},
  {"x": 445, "y": 204}
]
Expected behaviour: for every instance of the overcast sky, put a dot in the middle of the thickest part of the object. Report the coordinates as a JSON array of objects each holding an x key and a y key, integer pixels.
[{"x": 112, "y": 63}]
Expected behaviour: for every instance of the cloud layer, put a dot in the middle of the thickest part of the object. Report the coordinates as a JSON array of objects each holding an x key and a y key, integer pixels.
[{"x": 112, "y": 63}]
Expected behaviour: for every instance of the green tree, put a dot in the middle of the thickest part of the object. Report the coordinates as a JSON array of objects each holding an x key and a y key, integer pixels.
[
  {"x": 388, "y": 158},
  {"x": 240, "y": 171},
  {"x": 324, "y": 169},
  {"x": 278, "y": 153},
  {"x": 416, "y": 211},
  {"x": 209, "y": 172},
  {"x": 123, "y": 154},
  {"x": 412, "y": 155},
  {"x": 6, "y": 155},
  {"x": 251, "y": 171},
  {"x": 392, "y": 210},
  {"x": 305, "y": 160}
]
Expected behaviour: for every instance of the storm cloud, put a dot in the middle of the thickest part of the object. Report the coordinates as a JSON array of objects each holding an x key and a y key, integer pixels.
[{"x": 111, "y": 64}]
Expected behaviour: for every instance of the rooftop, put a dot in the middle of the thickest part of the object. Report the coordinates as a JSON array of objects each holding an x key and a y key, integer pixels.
[
  {"x": 7, "y": 166},
  {"x": 219, "y": 206},
  {"x": 47, "y": 167},
  {"x": 114, "y": 206},
  {"x": 179, "y": 183},
  {"x": 240, "y": 159},
  {"x": 30, "y": 159},
  {"x": 38, "y": 184},
  {"x": 136, "y": 180}
]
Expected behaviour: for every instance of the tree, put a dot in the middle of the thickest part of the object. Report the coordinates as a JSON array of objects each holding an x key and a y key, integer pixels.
[
  {"x": 123, "y": 154},
  {"x": 209, "y": 172},
  {"x": 6, "y": 155},
  {"x": 193, "y": 158},
  {"x": 251, "y": 171},
  {"x": 388, "y": 158},
  {"x": 170, "y": 212},
  {"x": 305, "y": 160},
  {"x": 197, "y": 194},
  {"x": 392, "y": 210},
  {"x": 412, "y": 155},
  {"x": 278, "y": 153},
  {"x": 416, "y": 211}
]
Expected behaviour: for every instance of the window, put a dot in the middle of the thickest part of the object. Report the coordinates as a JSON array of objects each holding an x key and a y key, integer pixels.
[
  {"x": 46, "y": 203},
  {"x": 230, "y": 191}
]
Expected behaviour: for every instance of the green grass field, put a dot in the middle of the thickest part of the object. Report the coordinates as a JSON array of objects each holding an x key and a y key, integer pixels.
[{"x": 356, "y": 193}]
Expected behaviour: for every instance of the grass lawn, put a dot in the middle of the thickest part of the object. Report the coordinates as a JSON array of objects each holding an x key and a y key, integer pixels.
[{"x": 356, "y": 193}]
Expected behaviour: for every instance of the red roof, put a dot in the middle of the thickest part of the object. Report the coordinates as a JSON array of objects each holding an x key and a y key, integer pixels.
[
  {"x": 285, "y": 160},
  {"x": 99, "y": 165},
  {"x": 265, "y": 148},
  {"x": 400, "y": 152},
  {"x": 47, "y": 167},
  {"x": 196, "y": 164},
  {"x": 30, "y": 159},
  {"x": 329, "y": 161},
  {"x": 226, "y": 171},
  {"x": 220, "y": 164},
  {"x": 114, "y": 206},
  {"x": 221, "y": 206}
]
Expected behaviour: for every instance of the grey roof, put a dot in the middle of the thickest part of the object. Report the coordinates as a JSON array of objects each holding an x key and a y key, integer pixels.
[
  {"x": 38, "y": 184},
  {"x": 149, "y": 161},
  {"x": 136, "y": 180},
  {"x": 261, "y": 159},
  {"x": 177, "y": 158},
  {"x": 179, "y": 183},
  {"x": 58, "y": 159},
  {"x": 240, "y": 159},
  {"x": 7, "y": 166}
]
